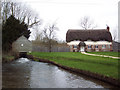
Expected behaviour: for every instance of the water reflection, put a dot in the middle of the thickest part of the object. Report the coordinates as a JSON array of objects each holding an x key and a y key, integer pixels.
[
  {"x": 24, "y": 73},
  {"x": 23, "y": 60}
]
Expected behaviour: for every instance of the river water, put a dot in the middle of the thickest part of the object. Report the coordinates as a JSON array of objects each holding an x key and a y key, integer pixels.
[{"x": 24, "y": 73}]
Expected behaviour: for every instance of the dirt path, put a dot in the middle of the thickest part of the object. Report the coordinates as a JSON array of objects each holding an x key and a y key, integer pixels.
[{"x": 100, "y": 55}]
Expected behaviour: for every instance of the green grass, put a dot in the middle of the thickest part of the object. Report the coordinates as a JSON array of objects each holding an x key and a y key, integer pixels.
[
  {"x": 101, "y": 65},
  {"x": 7, "y": 57},
  {"x": 115, "y": 54}
]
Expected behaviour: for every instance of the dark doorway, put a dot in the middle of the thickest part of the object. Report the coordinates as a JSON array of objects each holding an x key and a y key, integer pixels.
[{"x": 23, "y": 55}]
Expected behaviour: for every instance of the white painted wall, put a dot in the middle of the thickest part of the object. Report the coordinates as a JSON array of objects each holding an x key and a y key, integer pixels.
[
  {"x": 73, "y": 43},
  {"x": 90, "y": 43},
  {"x": 97, "y": 43}
]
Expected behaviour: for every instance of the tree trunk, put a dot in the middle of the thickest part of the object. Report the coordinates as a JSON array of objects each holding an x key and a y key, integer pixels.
[{"x": 50, "y": 48}]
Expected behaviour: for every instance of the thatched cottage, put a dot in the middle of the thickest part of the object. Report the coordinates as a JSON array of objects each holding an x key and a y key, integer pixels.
[
  {"x": 89, "y": 40},
  {"x": 22, "y": 45}
]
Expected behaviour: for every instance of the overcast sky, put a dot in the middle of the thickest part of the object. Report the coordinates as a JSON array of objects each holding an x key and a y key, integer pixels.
[{"x": 67, "y": 13}]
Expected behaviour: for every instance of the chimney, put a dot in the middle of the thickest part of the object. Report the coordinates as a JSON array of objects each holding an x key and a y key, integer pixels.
[{"x": 108, "y": 28}]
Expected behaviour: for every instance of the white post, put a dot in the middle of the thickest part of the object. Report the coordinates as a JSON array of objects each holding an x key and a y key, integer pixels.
[{"x": 119, "y": 21}]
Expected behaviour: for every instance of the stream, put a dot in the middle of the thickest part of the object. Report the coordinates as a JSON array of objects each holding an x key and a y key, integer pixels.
[{"x": 24, "y": 73}]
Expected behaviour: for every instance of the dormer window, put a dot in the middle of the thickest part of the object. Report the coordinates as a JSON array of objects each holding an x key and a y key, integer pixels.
[{"x": 89, "y": 40}]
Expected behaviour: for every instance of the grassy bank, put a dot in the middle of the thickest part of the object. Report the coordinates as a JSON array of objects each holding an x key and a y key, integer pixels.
[
  {"x": 10, "y": 57},
  {"x": 7, "y": 58},
  {"x": 100, "y": 65},
  {"x": 115, "y": 54}
]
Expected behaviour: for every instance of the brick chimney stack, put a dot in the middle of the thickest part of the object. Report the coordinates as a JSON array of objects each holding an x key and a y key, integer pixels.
[{"x": 108, "y": 28}]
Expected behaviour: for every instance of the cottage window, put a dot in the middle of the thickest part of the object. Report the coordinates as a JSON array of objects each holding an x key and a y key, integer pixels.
[
  {"x": 71, "y": 46},
  {"x": 96, "y": 46},
  {"x": 103, "y": 46},
  {"x": 89, "y": 46},
  {"x": 75, "y": 46}
]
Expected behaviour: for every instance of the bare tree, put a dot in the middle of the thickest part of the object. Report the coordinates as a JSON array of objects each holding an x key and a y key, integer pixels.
[
  {"x": 20, "y": 11},
  {"x": 87, "y": 23},
  {"x": 37, "y": 34},
  {"x": 38, "y": 37},
  {"x": 49, "y": 35}
]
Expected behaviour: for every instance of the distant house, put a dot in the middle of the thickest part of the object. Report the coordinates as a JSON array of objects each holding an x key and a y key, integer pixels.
[
  {"x": 22, "y": 45},
  {"x": 116, "y": 46},
  {"x": 89, "y": 40}
]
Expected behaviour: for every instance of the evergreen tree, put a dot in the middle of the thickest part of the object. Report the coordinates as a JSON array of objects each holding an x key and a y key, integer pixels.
[{"x": 11, "y": 30}]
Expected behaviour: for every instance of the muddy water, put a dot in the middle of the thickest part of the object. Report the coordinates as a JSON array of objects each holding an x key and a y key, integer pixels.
[{"x": 24, "y": 73}]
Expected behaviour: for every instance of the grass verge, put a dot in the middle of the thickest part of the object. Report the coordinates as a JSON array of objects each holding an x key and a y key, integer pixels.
[{"x": 100, "y": 65}]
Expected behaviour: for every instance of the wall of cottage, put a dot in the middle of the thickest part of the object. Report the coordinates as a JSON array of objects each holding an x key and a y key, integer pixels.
[{"x": 92, "y": 48}]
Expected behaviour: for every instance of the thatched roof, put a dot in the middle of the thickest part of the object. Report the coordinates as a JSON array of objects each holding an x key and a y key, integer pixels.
[{"x": 84, "y": 35}]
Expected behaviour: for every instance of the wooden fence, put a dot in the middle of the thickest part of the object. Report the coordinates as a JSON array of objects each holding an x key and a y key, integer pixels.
[{"x": 54, "y": 49}]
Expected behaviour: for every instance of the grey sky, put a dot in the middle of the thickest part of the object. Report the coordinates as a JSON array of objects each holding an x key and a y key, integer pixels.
[{"x": 67, "y": 13}]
